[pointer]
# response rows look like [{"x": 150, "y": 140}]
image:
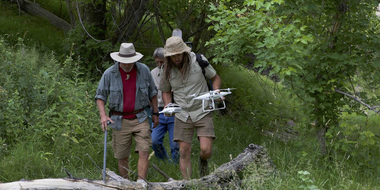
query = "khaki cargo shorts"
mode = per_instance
[
  {"x": 184, "y": 131},
  {"x": 122, "y": 140}
]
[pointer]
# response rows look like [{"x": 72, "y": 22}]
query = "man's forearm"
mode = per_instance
[
  {"x": 154, "y": 104},
  {"x": 216, "y": 82},
  {"x": 100, "y": 103},
  {"x": 167, "y": 97}
]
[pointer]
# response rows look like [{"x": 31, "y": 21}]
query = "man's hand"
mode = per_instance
[
  {"x": 220, "y": 99},
  {"x": 167, "y": 114},
  {"x": 104, "y": 122},
  {"x": 103, "y": 116},
  {"x": 155, "y": 120}
]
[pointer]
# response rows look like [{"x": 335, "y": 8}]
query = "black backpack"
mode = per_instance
[{"x": 204, "y": 64}]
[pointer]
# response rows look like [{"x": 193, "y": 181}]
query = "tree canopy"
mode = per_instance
[{"x": 317, "y": 47}]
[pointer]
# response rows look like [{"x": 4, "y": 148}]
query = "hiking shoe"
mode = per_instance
[{"x": 203, "y": 167}]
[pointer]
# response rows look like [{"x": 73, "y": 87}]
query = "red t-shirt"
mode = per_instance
[{"x": 129, "y": 91}]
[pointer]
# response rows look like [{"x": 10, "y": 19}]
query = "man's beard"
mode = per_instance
[{"x": 179, "y": 65}]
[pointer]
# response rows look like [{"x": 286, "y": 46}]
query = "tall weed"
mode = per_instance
[
  {"x": 300, "y": 166},
  {"x": 356, "y": 139},
  {"x": 48, "y": 101}
]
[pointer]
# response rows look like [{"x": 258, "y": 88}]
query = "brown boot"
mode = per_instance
[{"x": 203, "y": 167}]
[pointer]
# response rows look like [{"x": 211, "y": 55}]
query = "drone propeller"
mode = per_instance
[
  {"x": 228, "y": 89},
  {"x": 193, "y": 95},
  {"x": 199, "y": 94}
]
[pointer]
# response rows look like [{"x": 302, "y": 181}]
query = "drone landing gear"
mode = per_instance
[{"x": 211, "y": 106}]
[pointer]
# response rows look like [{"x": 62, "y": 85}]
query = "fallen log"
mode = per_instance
[
  {"x": 220, "y": 177},
  {"x": 36, "y": 10}
]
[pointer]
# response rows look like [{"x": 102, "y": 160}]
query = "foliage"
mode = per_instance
[
  {"x": 16, "y": 24},
  {"x": 51, "y": 102},
  {"x": 93, "y": 54},
  {"x": 307, "y": 182},
  {"x": 189, "y": 16},
  {"x": 355, "y": 138},
  {"x": 300, "y": 166},
  {"x": 317, "y": 47},
  {"x": 258, "y": 101}
]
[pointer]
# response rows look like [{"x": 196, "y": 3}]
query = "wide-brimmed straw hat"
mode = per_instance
[
  {"x": 175, "y": 45},
  {"x": 126, "y": 54}
]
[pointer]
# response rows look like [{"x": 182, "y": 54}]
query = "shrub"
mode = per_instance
[{"x": 44, "y": 97}]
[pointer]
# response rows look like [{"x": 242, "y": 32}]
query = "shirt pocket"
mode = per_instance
[
  {"x": 175, "y": 80},
  {"x": 196, "y": 75},
  {"x": 143, "y": 91},
  {"x": 115, "y": 98}
]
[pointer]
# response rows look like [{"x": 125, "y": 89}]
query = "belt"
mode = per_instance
[{"x": 128, "y": 113}]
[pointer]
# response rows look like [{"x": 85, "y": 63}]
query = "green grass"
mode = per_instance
[
  {"x": 34, "y": 30},
  {"x": 56, "y": 7},
  {"x": 302, "y": 154}
]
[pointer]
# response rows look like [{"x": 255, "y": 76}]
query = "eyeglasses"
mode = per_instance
[{"x": 159, "y": 61}]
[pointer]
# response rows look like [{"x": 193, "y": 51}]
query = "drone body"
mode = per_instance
[
  {"x": 171, "y": 108},
  {"x": 212, "y": 96}
]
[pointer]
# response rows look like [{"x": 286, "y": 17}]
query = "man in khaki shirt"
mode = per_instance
[{"x": 183, "y": 75}]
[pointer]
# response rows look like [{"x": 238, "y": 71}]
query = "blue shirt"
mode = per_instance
[{"x": 111, "y": 87}]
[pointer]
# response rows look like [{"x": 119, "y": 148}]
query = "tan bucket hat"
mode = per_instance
[
  {"x": 175, "y": 45},
  {"x": 126, "y": 54}
]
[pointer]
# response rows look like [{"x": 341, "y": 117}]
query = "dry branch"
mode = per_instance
[
  {"x": 221, "y": 177},
  {"x": 358, "y": 100}
]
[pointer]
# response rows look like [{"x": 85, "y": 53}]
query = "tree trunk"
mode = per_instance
[
  {"x": 322, "y": 140},
  {"x": 94, "y": 14},
  {"x": 129, "y": 22},
  {"x": 221, "y": 177},
  {"x": 70, "y": 12},
  {"x": 37, "y": 10},
  {"x": 158, "y": 20}
]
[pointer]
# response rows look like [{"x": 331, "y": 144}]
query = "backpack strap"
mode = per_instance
[{"x": 203, "y": 64}]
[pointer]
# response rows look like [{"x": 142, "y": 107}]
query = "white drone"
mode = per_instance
[
  {"x": 212, "y": 96},
  {"x": 171, "y": 108}
]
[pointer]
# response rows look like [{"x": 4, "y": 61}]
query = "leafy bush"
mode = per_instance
[
  {"x": 257, "y": 101},
  {"x": 355, "y": 139},
  {"x": 46, "y": 100},
  {"x": 50, "y": 114}
]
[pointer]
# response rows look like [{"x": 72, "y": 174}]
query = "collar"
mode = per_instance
[{"x": 116, "y": 67}]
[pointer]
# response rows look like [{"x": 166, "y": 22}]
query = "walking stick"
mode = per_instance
[{"x": 105, "y": 153}]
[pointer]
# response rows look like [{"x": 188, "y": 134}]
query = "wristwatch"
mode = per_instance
[{"x": 156, "y": 114}]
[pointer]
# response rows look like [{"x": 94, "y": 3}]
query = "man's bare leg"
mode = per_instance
[
  {"x": 123, "y": 163},
  {"x": 143, "y": 163},
  {"x": 205, "y": 154},
  {"x": 206, "y": 147},
  {"x": 185, "y": 159}
]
